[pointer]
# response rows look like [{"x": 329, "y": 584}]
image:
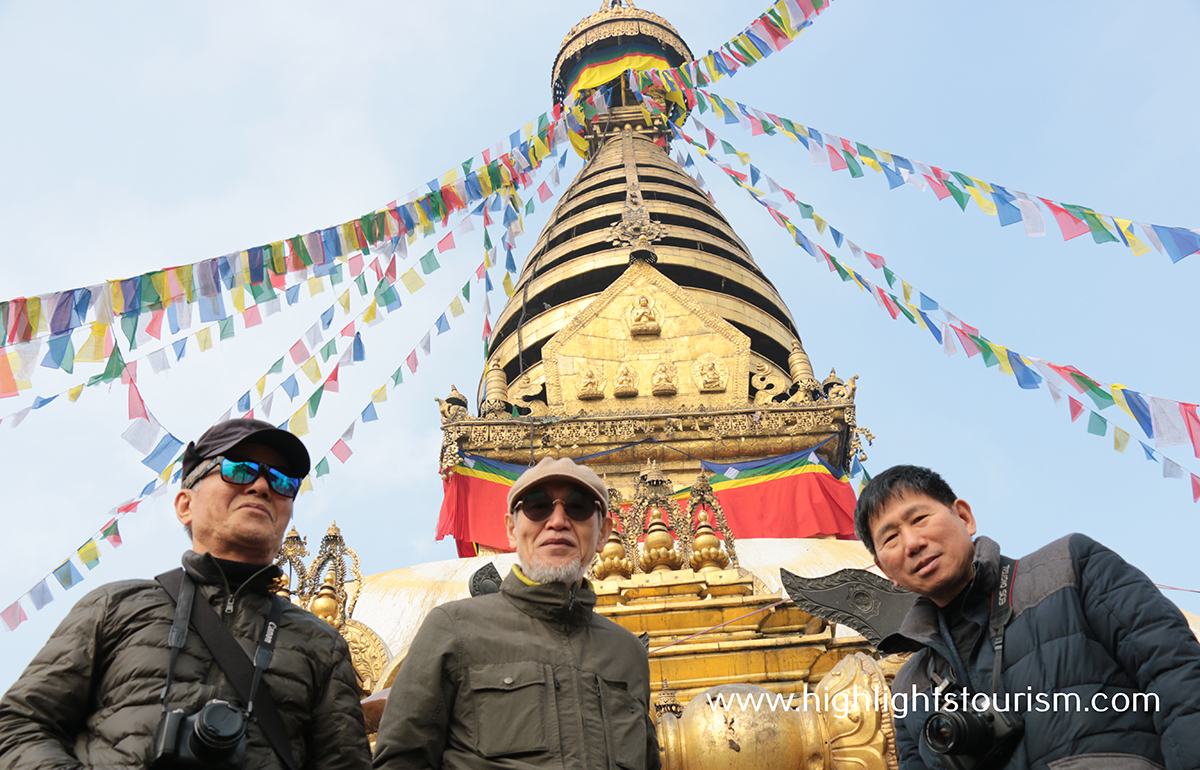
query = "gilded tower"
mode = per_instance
[{"x": 639, "y": 313}]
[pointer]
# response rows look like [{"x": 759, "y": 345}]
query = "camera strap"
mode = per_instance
[
  {"x": 1001, "y": 616},
  {"x": 229, "y": 655}
]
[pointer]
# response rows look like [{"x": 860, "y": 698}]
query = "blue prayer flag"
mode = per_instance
[
  {"x": 244, "y": 402},
  {"x": 163, "y": 454},
  {"x": 360, "y": 350},
  {"x": 927, "y": 303},
  {"x": 293, "y": 294},
  {"x": 368, "y": 414},
  {"x": 290, "y": 387},
  {"x": 443, "y": 325},
  {"x": 40, "y": 595},
  {"x": 327, "y": 318},
  {"x": 67, "y": 574},
  {"x": 893, "y": 176},
  {"x": 180, "y": 347}
]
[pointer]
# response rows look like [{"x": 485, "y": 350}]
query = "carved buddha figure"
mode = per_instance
[
  {"x": 663, "y": 381},
  {"x": 710, "y": 378},
  {"x": 590, "y": 387},
  {"x": 643, "y": 318},
  {"x": 626, "y": 382}
]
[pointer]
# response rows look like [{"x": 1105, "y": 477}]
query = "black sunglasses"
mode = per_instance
[
  {"x": 539, "y": 506},
  {"x": 243, "y": 472}
]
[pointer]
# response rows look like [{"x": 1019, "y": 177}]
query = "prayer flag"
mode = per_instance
[
  {"x": 111, "y": 533},
  {"x": 474, "y": 491},
  {"x": 67, "y": 575},
  {"x": 341, "y": 451},
  {"x": 13, "y": 615},
  {"x": 89, "y": 554}
]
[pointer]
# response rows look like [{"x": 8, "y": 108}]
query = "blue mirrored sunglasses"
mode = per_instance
[{"x": 243, "y": 472}]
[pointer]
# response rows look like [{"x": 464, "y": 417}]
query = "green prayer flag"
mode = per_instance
[
  {"x": 866, "y": 152},
  {"x": 989, "y": 355},
  {"x": 902, "y": 309},
  {"x": 963, "y": 179},
  {"x": 367, "y": 221},
  {"x": 960, "y": 197},
  {"x": 329, "y": 351},
  {"x": 890, "y": 276},
  {"x": 855, "y": 169},
  {"x": 1100, "y": 233},
  {"x": 322, "y": 467},
  {"x": 1097, "y": 425},
  {"x": 262, "y": 292},
  {"x": 728, "y": 148},
  {"x": 361, "y": 283},
  {"x": 841, "y": 270},
  {"x": 277, "y": 367},
  {"x": 314, "y": 401},
  {"x": 112, "y": 370},
  {"x": 529, "y": 207},
  {"x": 806, "y": 210},
  {"x": 129, "y": 326},
  {"x": 335, "y": 275},
  {"x": 398, "y": 375},
  {"x": 466, "y": 166},
  {"x": 1101, "y": 398},
  {"x": 487, "y": 240},
  {"x": 429, "y": 263},
  {"x": 466, "y": 291},
  {"x": 701, "y": 103},
  {"x": 149, "y": 298},
  {"x": 226, "y": 327}
]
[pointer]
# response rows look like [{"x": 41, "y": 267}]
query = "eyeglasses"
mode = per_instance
[
  {"x": 243, "y": 472},
  {"x": 539, "y": 506}
]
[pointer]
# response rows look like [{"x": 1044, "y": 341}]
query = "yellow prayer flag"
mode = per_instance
[
  {"x": 1137, "y": 246},
  {"x": 74, "y": 392},
  {"x": 509, "y": 289},
  {"x": 204, "y": 338},
  {"x": 379, "y": 396},
  {"x": 166, "y": 474},
  {"x": 92, "y": 349},
  {"x": 344, "y": 301},
  {"x": 1118, "y": 394},
  {"x": 820, "y": 223},
  {"x": 711, "y": 68},
  {"x": 542, "y": 149},
  {"x": 1002, "y": 354},
  {"x": 298, "y": 425},
  {"x": 315, "y": 286},
  {"x": 161, "y": 283},
  {"x": 311, "y": 370},
  {"x": 917, "y": 315},
  {"x": 744, "y": 157},
  {"x": 239, "y": 299},
  {"x": 118, "y": 298},
  {"x": 411, "y": 280},
  {"x": 261, "y": 385},
  {"x": 884, "y": 156},
  {"x": 450, "y": 178},
  {"x": 982, "y": 185},
  {"x": 456, "y": 308},
  {"x": 907, "y": 292},
  {"x": 528, "y": 130},
  {"x": 986, "y": 204},
  {"x": 372, "y": 310},
  {"x": 872, "y": 163},
  {"x": 305, "y": 486},
  {"x": 183, "y": 276},
  {"x": 1120, "y": 439}
]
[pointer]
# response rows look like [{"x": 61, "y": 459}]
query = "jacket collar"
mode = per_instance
[
  {"x": 920, "y": 626},
  {"x": 203, "y": 569},
  {"x": 550, "y": 602}
]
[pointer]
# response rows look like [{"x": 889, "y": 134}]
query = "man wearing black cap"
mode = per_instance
[{"x": 127, "y": 682}]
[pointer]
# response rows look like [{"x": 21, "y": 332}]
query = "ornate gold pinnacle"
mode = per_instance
[{"x": 611, "y": 561}]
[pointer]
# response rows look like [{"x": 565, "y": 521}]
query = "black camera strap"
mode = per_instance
[
  {"x": 243, "y": 676},
  {"x": 1001, "y": 616}
]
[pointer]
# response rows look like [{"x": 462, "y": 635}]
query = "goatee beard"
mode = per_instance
[{"x": 570, "y": 573}]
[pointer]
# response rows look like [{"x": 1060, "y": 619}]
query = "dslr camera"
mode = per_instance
[
  {"x": 215, "y": 736},
  {"x": 966, "y": 739}
]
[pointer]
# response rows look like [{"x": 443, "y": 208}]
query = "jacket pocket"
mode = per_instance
[
  {"x": 510, "y": 707},
  {"x": 1104, "y": 761},
  {"x": 625, "y": 723}
]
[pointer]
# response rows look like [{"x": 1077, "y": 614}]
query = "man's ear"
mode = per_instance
[
  {"x": 606, "y": 529},
  {"x": 962, "y": 509},
  {"x": 881, "y": 569},
  {"x": 510, "y": 524},
  {"x": 183, "y": 506}
]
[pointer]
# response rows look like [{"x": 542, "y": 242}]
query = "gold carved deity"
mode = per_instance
[
  {"x": 710, "y": 373},
  {"x": 662, "y": 383},
  {"x": 591, "y": 385},
  {"x": 643, "y": 318},
  {"x": 625, "y": 382}
]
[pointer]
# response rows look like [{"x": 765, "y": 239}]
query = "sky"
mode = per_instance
[{"x": 139, "y": 136}]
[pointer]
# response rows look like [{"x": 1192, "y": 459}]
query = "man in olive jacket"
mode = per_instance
[
  {"x": 93, "y": 696},
  {"x": 529, "y": 677}
]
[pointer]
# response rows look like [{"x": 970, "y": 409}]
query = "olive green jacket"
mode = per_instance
[
  {"x": 526, "y": 678},
  {"x": 92, "y": 696}
]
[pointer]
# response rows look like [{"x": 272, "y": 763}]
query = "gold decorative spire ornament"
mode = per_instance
[{"x": 611, "y": 561}]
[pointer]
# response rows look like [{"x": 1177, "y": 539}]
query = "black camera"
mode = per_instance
[
  {"x": 215, "y": 736},
  {"x": 967, "y": 739}
]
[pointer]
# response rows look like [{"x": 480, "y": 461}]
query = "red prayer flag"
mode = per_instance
[
  {"x": 378, "y": 270},
  {"x": 412, "y": 362},
  {"x": 8, "y": 383},
  {"x": 807, "y": 7},
  {"x": 390, "y": 273},
  {"x": 111, "y": 533},
  {"x": 968, "y": 344},
  {"x": 252, "y": 317},
  {"x": 129, "y": 507},
  {"x": 13, "y": 615},
  {"x": 876, "y": 261},
  {"x": 356, "y": 265},
  {"x": 938, "y": 188},
  {"x": 544, "y": 193},
  {"x": 711, "y": 137},
  {"x": 154, "y": 328},
  {"x": 137, "y": 408},
  {"x": 1195, "y": 488},
  {"x": 1076, "y": 408},
  {"x": 298, "y": 352},
  {"x": 331, "y": 382},
  {"x": 1071, "y": 226},
  {"x": 836, "y": 161},
  {"x": 475, "y": 496},
  {"x": 1193, "y": 425},
  {"x": 341, "y": 451},
  {"x": 348, "y": 330},
  {"x": 446, "y": 243},
  {"x": 487, "y": 328}
]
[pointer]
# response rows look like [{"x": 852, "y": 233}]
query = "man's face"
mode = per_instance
[
  {"x": 230, "y": 521},
  {"x": 925, "y": 546},
  {"x": 559, "y": 540}
]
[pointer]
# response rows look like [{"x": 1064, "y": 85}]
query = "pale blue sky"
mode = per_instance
[{"x": 141, "y": 135}]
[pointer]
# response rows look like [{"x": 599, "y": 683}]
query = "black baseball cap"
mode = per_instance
[{"x": 224, "y": 436}]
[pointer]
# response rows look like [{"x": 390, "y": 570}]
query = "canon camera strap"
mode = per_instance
[
  {"x": 1001, "y": 615},
  {"x": 243, "y": 675}
]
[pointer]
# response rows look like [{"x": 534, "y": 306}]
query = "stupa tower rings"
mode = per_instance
[{"x": 631, "y": 201}]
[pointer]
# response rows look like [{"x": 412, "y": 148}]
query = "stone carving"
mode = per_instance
[
  {"x": 591, "y": 385},
  {"x": 625, "y": 384},
  {"x": 710, "y": 373},
  {"x": 663, "y": 381},
  {"x": 643, "y": 318}
]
